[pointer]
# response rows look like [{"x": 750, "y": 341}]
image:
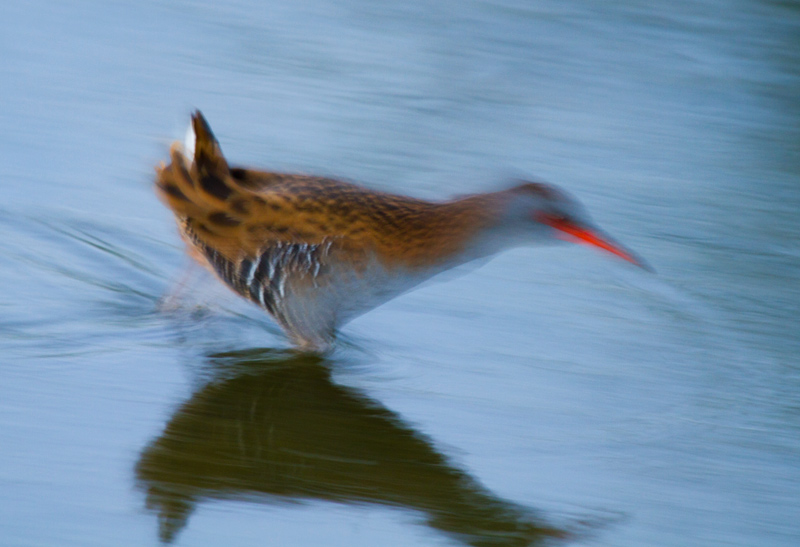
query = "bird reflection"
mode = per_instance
[{"x": 274, "y": 426}]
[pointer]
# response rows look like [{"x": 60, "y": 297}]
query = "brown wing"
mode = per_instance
[{"x": 268, "y": 243}]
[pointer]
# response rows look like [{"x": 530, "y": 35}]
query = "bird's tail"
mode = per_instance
[
  {"x": 198, "y": 185},
  {"x": 209, "y": 203}
]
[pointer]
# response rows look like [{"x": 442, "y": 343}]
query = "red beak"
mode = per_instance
[{"x": 569, "y": 231}]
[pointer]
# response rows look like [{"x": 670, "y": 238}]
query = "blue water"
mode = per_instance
[{"x": 550, "y": 390}]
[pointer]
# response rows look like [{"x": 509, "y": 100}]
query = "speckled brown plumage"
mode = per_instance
[
  {"x": 238, "y": 211},
  {"x": 314, "y": 251}
]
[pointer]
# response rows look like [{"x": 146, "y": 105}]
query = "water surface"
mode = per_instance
[{"x": 552, "y": 396}]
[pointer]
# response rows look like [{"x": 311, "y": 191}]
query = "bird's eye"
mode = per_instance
[
  {"x": 554, "y": 220},
  {"x": 549, "y": 218}
]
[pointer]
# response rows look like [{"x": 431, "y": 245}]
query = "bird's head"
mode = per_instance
[{"x": 552, "y": 213}]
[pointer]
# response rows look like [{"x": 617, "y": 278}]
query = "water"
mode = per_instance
[{"x": 551, "y": 392}]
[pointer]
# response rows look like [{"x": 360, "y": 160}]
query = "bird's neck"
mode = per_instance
[{"x": 438, "y": 236}]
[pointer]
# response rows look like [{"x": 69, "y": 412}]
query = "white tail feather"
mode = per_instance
[{"x": 188, "y": 143}]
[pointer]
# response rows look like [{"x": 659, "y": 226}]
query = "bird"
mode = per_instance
[{"x": 315, "y": 252}]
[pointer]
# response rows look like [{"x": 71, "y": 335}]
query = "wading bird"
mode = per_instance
[{"x": 316, "y": 252}]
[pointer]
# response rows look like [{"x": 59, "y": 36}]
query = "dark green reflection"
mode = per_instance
[{"x": 278, "y": 427}]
